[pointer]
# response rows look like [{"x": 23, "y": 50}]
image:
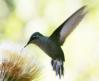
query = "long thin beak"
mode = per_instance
[{"x": 27, "y": 44}]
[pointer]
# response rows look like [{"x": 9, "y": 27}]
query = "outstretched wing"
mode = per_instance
[{"x": 67, "y": 26}]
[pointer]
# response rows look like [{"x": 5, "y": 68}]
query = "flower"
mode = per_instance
[{"x": 15, "y": 66}]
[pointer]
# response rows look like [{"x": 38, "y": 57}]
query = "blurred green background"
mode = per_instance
[{"x": 20, "y": 18}]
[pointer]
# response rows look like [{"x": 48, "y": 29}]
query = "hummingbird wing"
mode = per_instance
[{"x": 67, "y": 26}]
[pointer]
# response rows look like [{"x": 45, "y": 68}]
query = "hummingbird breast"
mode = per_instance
[{"x": 50, "y": 48}]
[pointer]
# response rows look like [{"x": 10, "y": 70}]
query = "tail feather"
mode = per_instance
[{"x": 58, "y": 67}]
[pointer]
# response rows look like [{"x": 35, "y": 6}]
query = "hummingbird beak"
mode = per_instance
[
  {"x": 25, "y": 46},
  {"x": 27, "y": 43}
]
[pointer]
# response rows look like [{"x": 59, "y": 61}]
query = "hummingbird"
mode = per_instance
[{"x": 52, "y": 45}]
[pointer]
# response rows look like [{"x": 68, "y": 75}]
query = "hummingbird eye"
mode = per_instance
[{"x": 35, "y": 37}]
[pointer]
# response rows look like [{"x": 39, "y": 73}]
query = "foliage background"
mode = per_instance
[{"x": 20, "y": 18}]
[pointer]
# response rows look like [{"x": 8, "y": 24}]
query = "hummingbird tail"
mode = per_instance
[{"x": 58, "y": 67}]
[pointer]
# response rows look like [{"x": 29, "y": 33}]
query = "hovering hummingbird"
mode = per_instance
[{"x": 52, "y": 45}]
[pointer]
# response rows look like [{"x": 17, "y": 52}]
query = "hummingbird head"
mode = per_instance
[{"x": 34, "y": 37}]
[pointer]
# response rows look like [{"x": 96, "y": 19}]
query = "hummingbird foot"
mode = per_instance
[{"x": 58, "y": 67}]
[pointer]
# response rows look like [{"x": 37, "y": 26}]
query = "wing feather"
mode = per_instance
[{"x": 67, "y": 26}]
